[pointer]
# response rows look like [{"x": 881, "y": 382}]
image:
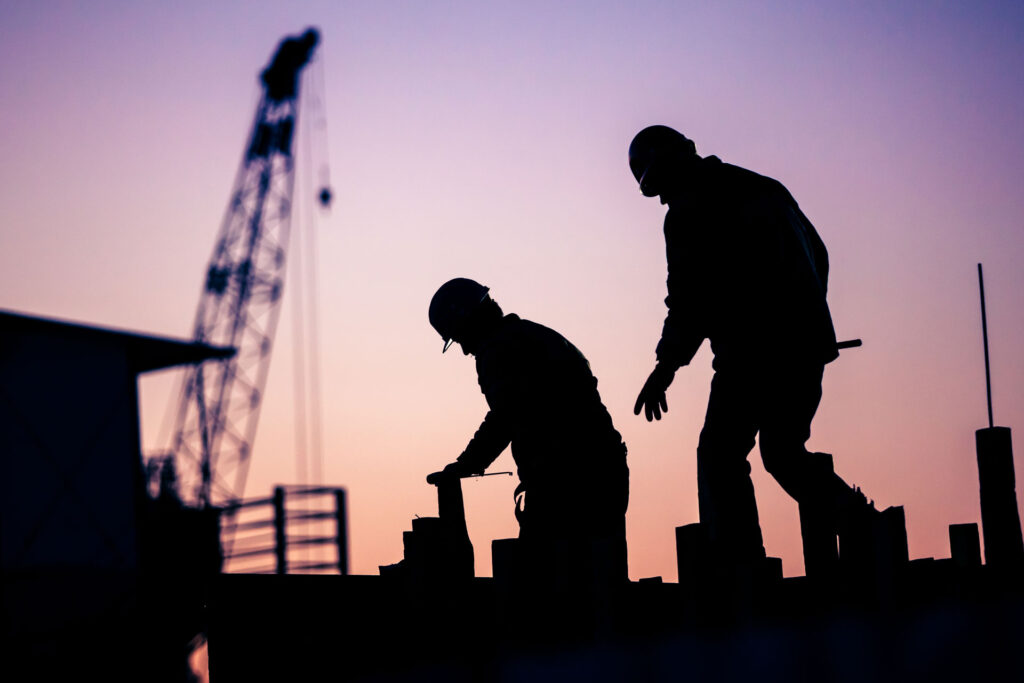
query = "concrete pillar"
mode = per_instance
[
  {"x": 1000, "y": 519},
  {"x": 964, "y": 545}
]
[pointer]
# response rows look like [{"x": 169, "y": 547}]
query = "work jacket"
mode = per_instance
[
  {"x": 543, "y": 400},
  {"x": 746, "y": 270}
]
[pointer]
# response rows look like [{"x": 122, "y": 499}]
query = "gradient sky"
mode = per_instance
[{"x": 488, "y": 140}]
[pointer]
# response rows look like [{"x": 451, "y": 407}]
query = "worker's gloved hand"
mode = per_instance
[
  {"x": 652, "y": 397},
  {"x": 451, "y": 471}
]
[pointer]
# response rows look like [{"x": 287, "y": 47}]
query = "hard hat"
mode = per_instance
[
  {"x": 452, "y": 303},
  {"x": 650, "y": 150}
]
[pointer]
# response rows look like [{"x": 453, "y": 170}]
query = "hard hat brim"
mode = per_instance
[{"x": 645, "y": 186}]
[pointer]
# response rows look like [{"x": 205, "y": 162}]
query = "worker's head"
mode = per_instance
[
  {"x": 660, "y": 157},
  {"x": 461, "y": 311}
]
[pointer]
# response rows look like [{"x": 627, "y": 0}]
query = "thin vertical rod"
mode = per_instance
[
  {"x": 341, "y": 517},
  {"x": 984, "y": 336},
  {"x": 280, "y": 532}
]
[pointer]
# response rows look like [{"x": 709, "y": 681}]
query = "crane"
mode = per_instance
[{"x": 240, "y": 302}]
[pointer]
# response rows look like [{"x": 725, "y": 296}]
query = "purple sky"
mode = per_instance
[{"x": 490, "y": 143}]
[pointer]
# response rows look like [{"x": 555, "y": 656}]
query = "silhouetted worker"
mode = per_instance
[
  {"x": 747, "y": 271},
  {"x": 543, "y": 399}
]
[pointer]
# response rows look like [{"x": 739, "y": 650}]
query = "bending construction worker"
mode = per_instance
[
  {"x": 543, "y": 400},
  {"x": 747, "y": 271}
]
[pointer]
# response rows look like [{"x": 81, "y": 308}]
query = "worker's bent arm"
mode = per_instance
[
  {"x": 677, "y": 347},
  {"x": 680, "y": 337},
  {"x": 486, "y": 445}
]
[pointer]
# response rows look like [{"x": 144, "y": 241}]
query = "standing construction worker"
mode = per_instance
[
  {"x": 747, "y": 271},
  {"x": 543, "y": 399}
]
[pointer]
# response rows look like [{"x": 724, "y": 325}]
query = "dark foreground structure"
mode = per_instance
[
  {"x": 946, "y": 625},
  {"x": 874, "y": 615},
  {"x": 98, "y": 579},
  {"x": 101, "y": 578}
]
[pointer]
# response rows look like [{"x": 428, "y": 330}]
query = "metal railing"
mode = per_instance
[{"x": 271, "y": 529}]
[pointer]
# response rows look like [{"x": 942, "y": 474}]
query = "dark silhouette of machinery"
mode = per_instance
[
  {"x": 90, "y": 567},
  {"x": 241, "y": 298}
]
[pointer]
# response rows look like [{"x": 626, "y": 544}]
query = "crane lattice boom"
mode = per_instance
[{"x": 241, "y": 299}]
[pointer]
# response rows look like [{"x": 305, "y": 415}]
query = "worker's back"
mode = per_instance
[
  {"x": 748, "y": 268},
  {"x": 542, "y": 387}
]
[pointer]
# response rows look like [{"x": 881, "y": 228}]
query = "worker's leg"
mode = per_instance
[
  {"x": 608, "y": 526},
  {"x": 725, "y": 493},
  {"x": 789, "y": 402},
  {"x": 587, "y": 521}
]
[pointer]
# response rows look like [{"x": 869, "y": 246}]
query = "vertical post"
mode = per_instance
[
  {"x": 693, "y": 556},
  {"x": 452, "y": 511},
  {"x": 280, "y": 539},
  {"x": 984, "y": 336},
  {"x": 1000, "y": 519},
  {"x": 204, "y": 434},
  {"x": 894, "y": 536},
  {"x": 964, "y": 546},
  {"x": 818, "y": 532},
  {"x": 341, "y": 517}
]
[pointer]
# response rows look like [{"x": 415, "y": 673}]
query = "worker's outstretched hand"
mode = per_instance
[
  {"x": 451, "y": 471},
  {"x": 652, "y": 397}
]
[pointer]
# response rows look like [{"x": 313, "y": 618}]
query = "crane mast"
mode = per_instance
[{"x": 241, "y": 298}]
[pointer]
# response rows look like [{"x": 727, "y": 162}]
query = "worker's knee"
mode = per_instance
[
  {"x": 723, "y": 446},
  {"x": 780, "y": 457},
  {"x": 715, "y": 463},
  {"x": 773, "y": 456},
  {"x": 801, "y": 474}
]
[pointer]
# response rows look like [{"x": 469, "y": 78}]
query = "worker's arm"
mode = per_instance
[
  {"x": 680, "y": 337},
  {"x": 500, "y": 374},
  {"x": 483, "y": 449},
  {"x": 486, "y": 445}
]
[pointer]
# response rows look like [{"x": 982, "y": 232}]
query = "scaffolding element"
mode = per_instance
[{"x": 280, "y": 529}]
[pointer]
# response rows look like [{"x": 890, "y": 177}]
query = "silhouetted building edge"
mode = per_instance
[{"x": 72, "y": 487}]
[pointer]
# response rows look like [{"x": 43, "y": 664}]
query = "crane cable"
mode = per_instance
[
  {"x": 324, "y": 195},
  {"x": 308, "y": 413}
]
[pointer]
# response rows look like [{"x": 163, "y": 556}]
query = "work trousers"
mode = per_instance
[
  {"x": 587, "y": 522},
  {"x": 780, "y": 406}
]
